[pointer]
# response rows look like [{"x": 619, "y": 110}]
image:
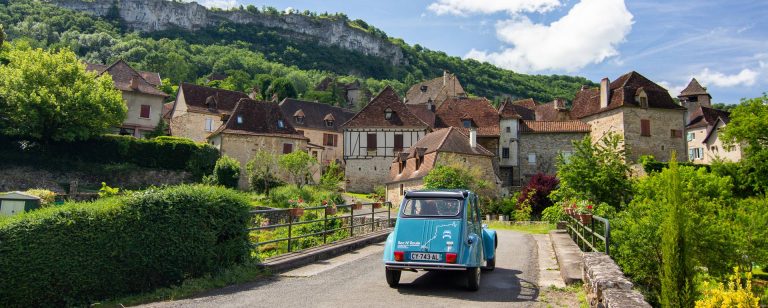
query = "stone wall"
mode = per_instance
[
  {"x": 23, "y": 178},
  {"x": 661, "y": 143},
  {"x": 546, "y": 147},
  {"x": 363, "y": 174},
  {"x": 393, "y": 190},
  {"x": 714, "y": 149},
  {"x": 242, "y": 148},
  {"x": 329, "y": 153},
  {"x": 192, "y": 125},
  {"x": 606, "y": 122},
  {"x": 133, "y": 118},
  {"x": 606, "y": 285}
]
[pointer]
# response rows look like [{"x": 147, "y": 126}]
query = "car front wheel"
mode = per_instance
[
  {"x": 393, "y": 277},
  {"x": 490, "y": 264},
  {"x": 473, "y": 278}
]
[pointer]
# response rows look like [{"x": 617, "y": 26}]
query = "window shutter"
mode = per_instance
[
  {"x": 645, "y": 128},
  {"x": 371, "y": 146},
  {"x": 325, "y": 139},
  {"x": 335, "y": 139},
  {"x": 398, "y": 143},
  {"x": 287, "y": 148},
  {"x": 145, "y": 111}
]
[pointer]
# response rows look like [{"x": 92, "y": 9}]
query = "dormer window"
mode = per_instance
[
  {"x": 388, "y": 113},
  {"x": 466, "y": 123},
  {"x": 424, "y": 88},
  {"x": 641, "y": 98},
  {"x": 280, "y": 124},
  {"x": 328, "y": 123},
  {"x": 239, "y": 119},
  {"x": 329, "y": 119},
  {"x": 643, "y": 102},
  {"x": 299, "y": 116},
  {"x": 299, "y": 120}
]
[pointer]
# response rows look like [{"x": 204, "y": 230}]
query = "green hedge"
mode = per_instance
[
  {"x": 84, "y": 252},
  {"x": 163, "y": 152}
]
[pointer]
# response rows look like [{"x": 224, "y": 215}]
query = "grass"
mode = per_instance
[
  {"x": 569, "y": 296},
  {"x": 525, "y": 228},
  {"x": 362, "y": 197},
  {"x": 234, "y": 275}
]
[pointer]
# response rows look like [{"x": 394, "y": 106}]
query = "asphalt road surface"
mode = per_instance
[{"x": 357, "y": 280}]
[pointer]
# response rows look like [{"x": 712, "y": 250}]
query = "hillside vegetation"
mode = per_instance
[{"x": 248, "y": 53}]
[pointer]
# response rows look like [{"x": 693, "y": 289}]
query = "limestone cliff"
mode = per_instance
[{"x": 154, "y": 15}]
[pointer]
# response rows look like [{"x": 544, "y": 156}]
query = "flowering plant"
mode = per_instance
[
  {"x": 296, "y": 203},
  {"x": 584, "y": 207}
]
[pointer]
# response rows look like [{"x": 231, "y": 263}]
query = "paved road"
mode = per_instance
[{"x": 357, "y": 280}]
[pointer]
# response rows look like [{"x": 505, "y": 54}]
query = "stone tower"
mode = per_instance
[{"x": 694, "y": 96}]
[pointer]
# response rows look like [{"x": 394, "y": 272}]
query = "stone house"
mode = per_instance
[
  {"x": 639, "y": 110},
  {"x": 446, "y": 145},
  {"x": 198, "y": 111},
  {"x": 321, "y": 123},
  {"x": 541, "y": 142},
  {"x": 255, "y": 126},
  {"x": 140, "y": 93},
  {"x": 435, "y": 91},
  {"x": 704, "y": 123},
  {"x": 467, "y": 113},
  {"x": 374, "y": 136}
]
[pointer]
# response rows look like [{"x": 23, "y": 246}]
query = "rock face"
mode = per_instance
[{"x": 154, "y": 15}]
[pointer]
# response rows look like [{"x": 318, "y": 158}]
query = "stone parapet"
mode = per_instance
[{"x": 606, "y": 285}]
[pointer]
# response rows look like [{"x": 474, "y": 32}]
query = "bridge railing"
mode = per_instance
[
  {"x": 593, "y": 236},
  {"x": 318, "y": 225}
]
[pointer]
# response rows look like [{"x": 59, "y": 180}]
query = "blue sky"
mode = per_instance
[{"x": 724, "y": 44}]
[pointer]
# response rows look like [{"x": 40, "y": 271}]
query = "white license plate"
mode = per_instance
[{"x": 422, "y": 256}]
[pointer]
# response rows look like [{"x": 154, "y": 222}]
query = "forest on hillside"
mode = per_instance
[{"x": 250, "y": 55}]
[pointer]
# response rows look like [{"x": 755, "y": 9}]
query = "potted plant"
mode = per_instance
[
  {"x": 584, "y": 212},
  {"x": 296, "y": 207},
  {"x": 357, "y": 205},
  {"x": 377, "y": 204},
  {"x": 330, "y": 209}
]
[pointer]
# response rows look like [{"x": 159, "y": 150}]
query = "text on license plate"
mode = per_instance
[{"x": 422, "y": 256}]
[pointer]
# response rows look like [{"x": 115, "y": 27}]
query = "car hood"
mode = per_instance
[{"x": 434, "y": 235}]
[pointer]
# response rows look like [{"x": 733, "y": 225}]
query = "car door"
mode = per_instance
[{"x": 473, "y": 233}]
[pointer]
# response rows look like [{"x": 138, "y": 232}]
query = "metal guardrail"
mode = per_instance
[
  {"x": 292, "y": 222},
  {"x": 588, "y": 236}
]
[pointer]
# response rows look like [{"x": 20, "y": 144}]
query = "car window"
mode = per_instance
[
  {"x": 432, "y": 207},
  {"x": 470, "y": 217}
]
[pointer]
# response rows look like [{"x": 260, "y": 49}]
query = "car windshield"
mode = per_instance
[{"x": 432, "y": 207}]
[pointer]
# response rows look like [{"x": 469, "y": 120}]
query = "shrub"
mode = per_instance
[
  {"x": 106, "y": 191},
  {"x": 553, "y": 214},
  {"x": 736, "y": 295},
  {"x": 297, "y": 165},
  {"x": 226, "y": 172},
  {"x": 542, "y": 185},
  {"x": 47, "y": 197},
  {"x": 312, "y": 195},
  {"x": 79, "y": 253},
  {"x": 261, "y": 171},
  {"x": 523, "y": 211}
]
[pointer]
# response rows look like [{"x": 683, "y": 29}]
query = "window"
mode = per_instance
[
  {"x": 299, "y": 120},
  {"x": 371, "y": 144},
  {"x": 467, "y": 123},
  {"x": 509, "y": 129},
  {"x": 691, "y": 136},
  {"x": 676, "y": 133},
  {"x": 398, "y": 142},
  {"x": 532, "y": 159},
  {"x": 280, "y": 124},
  {"x": 388, "y": 113},
  {"x": 693, "y": 99},
  {"x": 208, "y": 125},
  {"x": 287, "y": 148},
  {"x": 645, "y": 128},
  {"x": 505, "y": 153},
  {"x": 713, "y": 148},
  {"x": 328, "y": 123},
  {"x": 695, "y": 153},
  {"x": 314, "y": 154},
  {"x": 643, "y": 102},
  {"x": 400, "y": 167},
  {"x": 239, "y": 119},
  {"x": 330, "y": 140},
  {"x": 145, "y": 111},
  {"x": 432, "y": 207}
]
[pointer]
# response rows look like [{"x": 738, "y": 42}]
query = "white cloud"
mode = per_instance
[
  {"x": 746, "y": 77},
  {"x": 674, "y": 90},
  {"x": 466, "y": 7},
  {"x": 589, "y": 33},
  {"x": 222, "y": 4}
]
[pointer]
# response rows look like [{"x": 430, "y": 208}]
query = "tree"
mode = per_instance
[
  {"x": 2, "y": 35},
  {"x": 596, "y": 172},
  {"x": 50, "y": 97},
  {"x": 261, "y": 170},
  {"x": 332, "y": 176},
  {"x": 282, "y": 88},
  {"x": 160, "y": 130},
  {"x": 298, "y": 165},
  {"x": 748, "y": 128},
  {"x": 677, "y": 286},
  {"x": 453, "y": 173},
  {"x": 541, "y": 185},
  {"x": 226, "y": 172}
]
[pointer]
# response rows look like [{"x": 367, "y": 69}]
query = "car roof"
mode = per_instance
[{"x": 441, "y": 193}]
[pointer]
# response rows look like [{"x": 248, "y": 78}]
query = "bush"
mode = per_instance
[
  {"x": 553, "y": 214},
  {"x": 47, "y": 197},
  {"x": 542, "y": 185},
  {"x": 80, "y": 253},
  {"x": 523, "y": 210},
  {"x": 333, "y": 175},
  {"x": 736, "y": 295},
  {"x": 226, "y": 172},
  {"x": 311, "y": 195}
]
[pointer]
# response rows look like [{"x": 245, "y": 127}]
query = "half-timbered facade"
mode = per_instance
[
  {"x": 375, "y": 136},
  {"x": 321, "y": 123}
]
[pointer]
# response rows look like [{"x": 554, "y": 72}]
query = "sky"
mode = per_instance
[{"x": 723, "y": 44}]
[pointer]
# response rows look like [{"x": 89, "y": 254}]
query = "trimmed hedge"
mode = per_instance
[
  {"x": 165, "y": 152},
  {"x": 84, "y": 252}
]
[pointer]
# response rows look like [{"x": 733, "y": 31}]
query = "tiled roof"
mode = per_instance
[
  {"x": 552, "y": 111},
  {"x": 167, "y": 107},
  {"x": 421, "y": 111},
  {"x": 527, "y": 103},
  {"x": 205, "y": 99},
  {"x": 483, "y": 115},
  {"x": 258, "y": 118},
  {"x": 622, "y": 93},
  {"x": 538, "y": 127},
  {"x": 437, "y": 89},
  {"x": 129, "y": 80},
  {"x": 372, "y": 115},
  {"x": 693, "y": 88},
  {"x": 507, "y": 111},
  {"x": 314, "y": 114},
  {"x": 446, "y": 140},
  {"x": 705, "y": 117}
]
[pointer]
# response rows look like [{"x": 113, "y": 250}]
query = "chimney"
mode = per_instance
[
  {"x": 445, "y": 77},
  {"x": 429, "y": 104},
  {"x": 254, "y": 93},
  {"x": 473, "y": 137},
  {"x": 605, "y": 92},
  {"x": 584, "y": 87},
  {"x": 134, "y": 83}
]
